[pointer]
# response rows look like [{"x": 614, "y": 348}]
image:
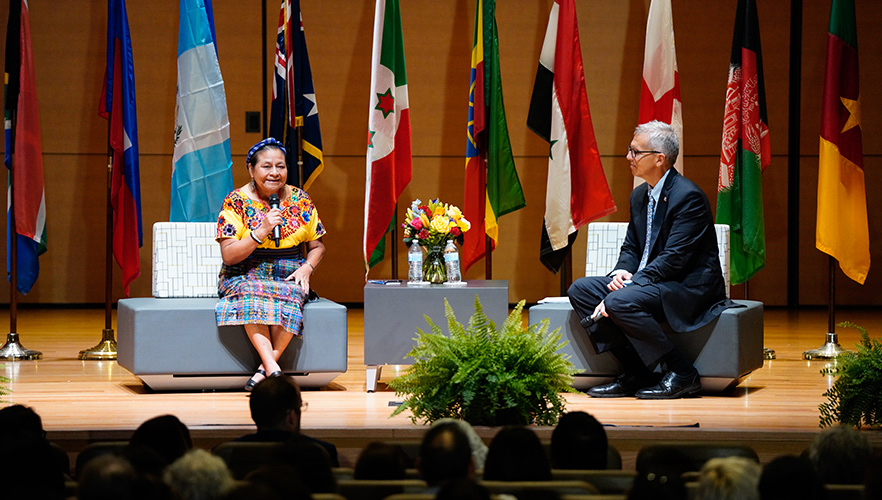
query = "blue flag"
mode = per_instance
[
  {"x": 294, "y": 102},
  {"x": 203, "y": 174}
]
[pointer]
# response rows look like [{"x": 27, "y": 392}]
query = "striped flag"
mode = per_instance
[
  {"x": 118, "y": 106},
  {"x": 577, "y": 190},
  {"x": 202, "y": 173},
  {"x": 660, "y": 93},
  {"x": 389, "y": 159},
  {"x": 746, "y": 152},
  {"x": 294, "y": 102},
  {"x": 842, "y": 230},
  {"x": 24, "y": 151},
  {"x": 491, "y": 190}
]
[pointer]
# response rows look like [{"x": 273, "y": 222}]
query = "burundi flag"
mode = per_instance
[
  {"x": 202, "y": 172},
  {"x": 294, "y": 106},
  {"x": 388, "y": 150},
  {"x": 842, "y": 231},
  {"x": 577, "y": 191},
  {"x": 660, "y": 93},
  {"x": 26, "y": 197},
  {"x": 491, "y": 190},
  {"x": 745, "y": 152},
  {"x": 118, "y": 105}
]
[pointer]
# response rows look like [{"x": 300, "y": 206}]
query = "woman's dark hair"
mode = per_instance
[
  {"x": 579, "y": 442},
  {"x": 380, "y": 461},
  {"x": 516, "y": 454}
]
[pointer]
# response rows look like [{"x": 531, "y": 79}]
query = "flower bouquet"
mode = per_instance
[{"x": 431, "y": 225}]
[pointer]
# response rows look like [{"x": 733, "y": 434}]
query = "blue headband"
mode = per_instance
[{"x": 269, "y": 141}]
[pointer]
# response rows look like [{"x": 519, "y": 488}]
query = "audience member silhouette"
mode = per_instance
[
  {"x": 112, "y": 477},
  {"x": 660, "y": 478},
  {"x": 276, "y": 407},
  {"x": 479, "y": 449},
  {"x": 30, "y": 467},
  {"x": 283, "y": 480},
  {"x": 157, "y": 443},
  {"x": 516, "y": 454},
  {"x": 445, "y": 455},
  {"x": 729, "y": 478},
  {"x": 790, "y": 478},
  {"x": 579, "y": 442},
  {"x": 463, "y": 489},
  {"x": 198, "y": 475},
  {"x": 840, "y": 455},
  {"x": 380, "y": 461},
  {"x": 310, "y": 460}
]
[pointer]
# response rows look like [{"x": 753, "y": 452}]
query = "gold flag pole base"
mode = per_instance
[
  {"x": 831, "y": 349},
  {"x": 106, "y": 349},
  {"x": 12, "y": 350},
  {"x": 769, "y": 353}
]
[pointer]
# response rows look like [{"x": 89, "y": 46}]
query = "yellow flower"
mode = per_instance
[
  {"x": 463, "y": 224},
  {"x": 439, "y": 223},
  {"x": 454, "y": 212},
  {"x": 424, "y": 219},
  {"x": 439, "y": 210}
]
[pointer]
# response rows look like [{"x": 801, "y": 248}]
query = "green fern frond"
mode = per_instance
[{"x": 855, "y": 398}]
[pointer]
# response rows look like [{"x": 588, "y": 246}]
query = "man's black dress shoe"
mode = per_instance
[
  {"x": 624, "y": 385},
  {"x": 672, "y": 386}
]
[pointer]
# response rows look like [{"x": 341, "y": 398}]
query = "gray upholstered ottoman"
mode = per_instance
[
  {"x": 724, "y": 351},
  {"x": 175, "y": 344}
]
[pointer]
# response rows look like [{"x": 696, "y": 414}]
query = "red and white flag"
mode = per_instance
[
  {"x": 660, "y": 93},
  {"x": 389, "y": 157}
]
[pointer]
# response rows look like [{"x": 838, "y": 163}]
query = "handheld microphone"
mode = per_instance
[{"x": 274, "y": 203}]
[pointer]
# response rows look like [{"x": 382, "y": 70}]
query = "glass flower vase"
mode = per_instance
[{"x": 434, "y": 269}]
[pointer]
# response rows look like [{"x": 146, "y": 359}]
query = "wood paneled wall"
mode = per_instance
[{"x": 69, "y": 51}]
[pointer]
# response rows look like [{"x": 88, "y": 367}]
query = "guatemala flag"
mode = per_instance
[{"x": 203, "y": 174}]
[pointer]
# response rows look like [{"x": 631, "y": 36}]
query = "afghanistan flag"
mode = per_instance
[
  {"x": 660, "y": 92},
  {"x": 842, "y": 231},
  {"x": 389, "y": 159},
  {"x": 294, "y": 98},
  {"x": 491, "y": 190},
  {"x": 118, "y": 105},
  {"x": 24, "y": 152},
  {"x": 577, "y": 190},
  {"x": 745, "y": 152}
]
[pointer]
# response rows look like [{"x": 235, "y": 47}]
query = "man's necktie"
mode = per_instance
[{"x": 649, "y": 216}]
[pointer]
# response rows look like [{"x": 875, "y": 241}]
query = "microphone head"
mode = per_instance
[{"x": 274, "y": 200}]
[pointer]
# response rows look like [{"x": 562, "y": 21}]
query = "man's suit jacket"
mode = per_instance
[{"x": 683, "y": 258}]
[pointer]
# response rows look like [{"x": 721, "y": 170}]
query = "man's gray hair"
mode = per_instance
[{"x": 660, "y": 137}]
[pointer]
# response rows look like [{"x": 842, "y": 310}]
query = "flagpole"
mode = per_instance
[
  {"x": 13, "y": 349},
  {"x": 393, "y": 239},
  {"x": 566, "y": 272},
  {"x": 106, "y": 348},
  {"x": 831, "y": 347}
]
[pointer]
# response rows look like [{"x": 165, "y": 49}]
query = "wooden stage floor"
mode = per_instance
[{"x": 775, "y": 410}]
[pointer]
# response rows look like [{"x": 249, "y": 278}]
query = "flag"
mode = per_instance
[
  {"x": 745, "y": 152},
  {"x": 202, "y": 167},
  {"x": 660, "y": 93},
  {"x": 388, "y": 150},
  {"x": 118, "y": 106},
  {"x": 24, "y": 151},
  {"x": 577, "y": 190},
  {"x": 294, "y": 98},
  {"x": 842, "y": 231},
  {"x": 493, "y": 190}
]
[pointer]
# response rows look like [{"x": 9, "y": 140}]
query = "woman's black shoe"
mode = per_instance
[{"x": 251, "y": 382}]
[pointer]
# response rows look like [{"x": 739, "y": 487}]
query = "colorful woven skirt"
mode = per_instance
[{"x": 254, "y": 291}]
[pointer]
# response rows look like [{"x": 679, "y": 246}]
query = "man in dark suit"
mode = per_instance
[{"x": 674, "y": 277}]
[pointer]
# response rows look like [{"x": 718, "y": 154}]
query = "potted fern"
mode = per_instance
[
  {"x": 856, "y": 396},
  {"x": 484, "y": 375}
]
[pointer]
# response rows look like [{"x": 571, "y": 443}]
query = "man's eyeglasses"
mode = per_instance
[{"x": 634, "y": 152}]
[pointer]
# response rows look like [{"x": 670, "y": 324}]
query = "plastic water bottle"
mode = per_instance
[
  {"x": 451, "y": 259},
  {"x": 415, "y": 263}
]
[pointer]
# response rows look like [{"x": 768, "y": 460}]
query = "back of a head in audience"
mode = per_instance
[
  {"x": 516, "y": 454},
  {"x": 380, "y": 461},
  {"x": 729, "y": 478},
  {"x": 165, "y": 435},
  {"x": 578, "y": 442},
  {"x": 445, "y": 455},
  {"x": 29, "y": 466},
  {"x": 111, "y": 477},
  {"x": 840, "y": 455},
  {"x": 661, "y": 476},
  {"x": 198, "y": 475},
  {"x": 275, "y": 404},
  {"x": 479, "y": 449},
  {"x": 19, "y": 420},
  {"x": 311, "y": 461},
  {"x": 790, "y": 478}
]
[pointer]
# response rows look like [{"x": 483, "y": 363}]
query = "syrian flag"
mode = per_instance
[
  {"x": 660, "y": 93},
  {"x": 577, "y": 190},
  {"x": 388, "y": 150}
]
